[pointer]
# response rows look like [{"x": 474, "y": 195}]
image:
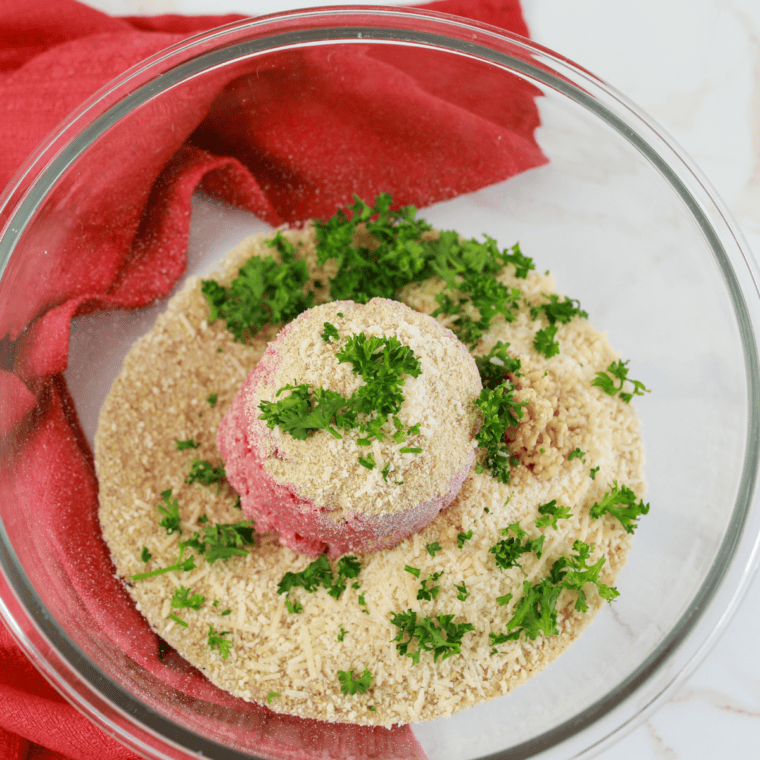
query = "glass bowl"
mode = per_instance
[{"x": 627, "y": 225}]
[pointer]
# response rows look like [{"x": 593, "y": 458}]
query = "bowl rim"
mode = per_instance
[{"x": 112, "y": 707}]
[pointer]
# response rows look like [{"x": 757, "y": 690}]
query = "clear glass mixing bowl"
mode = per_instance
[{"x": 627, "y": 225}]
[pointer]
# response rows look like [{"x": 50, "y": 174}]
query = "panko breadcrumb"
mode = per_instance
[{"x": 177, "y": 383}]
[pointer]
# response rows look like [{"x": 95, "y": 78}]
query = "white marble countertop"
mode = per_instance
[{"x": 694, "y": 66}]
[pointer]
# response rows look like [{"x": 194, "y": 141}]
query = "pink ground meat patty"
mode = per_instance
[{"x": 316, "y": 494}]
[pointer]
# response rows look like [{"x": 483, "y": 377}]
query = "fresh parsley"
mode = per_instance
[
  {"x": 496, "y": 365},
  {"x": 355, "y": 684},
  {"x": 536, "y": 611},
  {"x": 544, "y": 341},
  {"x": 620, "y": 502},
  {"x": 439, "y": 635},
  {"x": 508, "y": 551},
  {"x": 427, "y": 591},
  {"x": 576, "y": 453},
  {"x": 212, "y": 398},
  {"x": 264, "y": 291},
  {"x": 145, "y": 554},
  {"x": 463, "y": 592},
  {"x": 319, "y": 573},
  {"x": 500, "y": 411},
  {"x": 462, "y": 537},
  {"x": 433, "y": 548},
  {"x": 188, "y": 444},
  {"x": 619, "y": 371},
  {"x": 179, "y": 566},
  {"x": 170, "y": 511},
  {"x": 557, "y": 310},
  {"x": 550, "y": 513},
  {"x": 202, "y": 471},
  {"x": 217, "y": 641},
  {"x": 182, "y": 597},
  {"x": 331, "y": 331}
]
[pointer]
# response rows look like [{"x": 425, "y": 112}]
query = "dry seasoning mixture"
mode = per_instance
[{"x": 495, "y": 588}]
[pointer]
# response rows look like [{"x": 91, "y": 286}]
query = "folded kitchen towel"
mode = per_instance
[{"x": 126, "y": 247}]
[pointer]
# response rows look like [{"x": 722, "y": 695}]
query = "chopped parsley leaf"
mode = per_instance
[
  {"x": 331, "y": 331},
  {"x": 319, "y": 573},
  {"x": 496, "y": 365},
  {"x": 576, "y": 453},
  {"x": 620, "y": 502},
  {"x": 502, "y": 600},
  {"x": 212, "y": 398},
  {"x": 272, "y": 696},
  {"x": 368, "y": 461},
  {"x": 618, "y": 370},
  {"x": 433, "y": 548},
  {"x": 293, "y": 607},
  {"x": 592, "y": 472},
  {"x": 188, "y": 444},
  {"x": 177, "y": 619},
  {"x": 183, "y": 565},
  {"x": 217, "y": 641},
  {"x": 351, "y": 684},
  {"x": 544, "y": 341},
  {"x": 202, "y": 471},
  {"x": 508, "y": 551},
  {"x": 462, "y": 537},
  {"x": 305, "y": 411},
  {"x": 558, "y": 311},
  {"x": 536, "y": 611},
  {"x": 500, "y": 411},
  {"x": 342, "y": 634},
  {"x": 415, "y": 571},
  {"x": 550, "y": 513},
  {"x": 170, "y": 510},
  {"x": 263, "y": 292},
  {"x": 145, "y": 555},
  {"x": 439, "y": 635},
  {"x": 183, "y": 598},
  {"x": 463, "y": 592},
  {"x": 427, "y": 593}
]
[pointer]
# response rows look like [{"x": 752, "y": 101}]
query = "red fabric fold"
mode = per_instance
[{"x": 123, "y": 243}]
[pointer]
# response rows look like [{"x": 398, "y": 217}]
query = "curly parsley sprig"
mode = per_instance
[
  {"x": 500, "y": 411},
  {"x": 619, "y": 371},
  {"x": 620, "y": 502}
]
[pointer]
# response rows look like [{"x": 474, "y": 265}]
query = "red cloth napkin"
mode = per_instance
[{"x": 280, "y": 165}]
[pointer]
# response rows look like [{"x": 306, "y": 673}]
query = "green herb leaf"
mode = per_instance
[
  {"x": 500, "y": 411},
  {"x": 463, "y": 592},
  {"x": 202, "y": 471},
  {"x": 429, "y": 592},
  {"x": 508, "y": 551},
  {"x": 618, "y": 371},
  {"x": 177, "y": 619},
  {"x": 180, "y": 565},
  {"x": 188, "y": 444},
  {"x": 439, "y": 635},
  {"x": 550, "y": 513},
  {"x": 272, "y": 696},
  {"x": 263, "y": 292},
  {"x": 170, "y": 511},
  {"x": 145, "y": 555},
  {"x": 351, "y": 684},
  {"x": 433, "y": 548},
  {"x": 183, "y": 598},
  {"x": 331, "y": 331},
  {"x": 544, "y": 341},
  {"x": 212, "y": 398},
  {"x": 576, "y": 453},
  {"x": 496, "y": 365},
  {"x": 620, "y": 502},
  {"x": 217, "y": 641},
  {"x": 462, "y": 537},
  {"x": 592, "y": 472},
  {"x": 558, "y": 311}
]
